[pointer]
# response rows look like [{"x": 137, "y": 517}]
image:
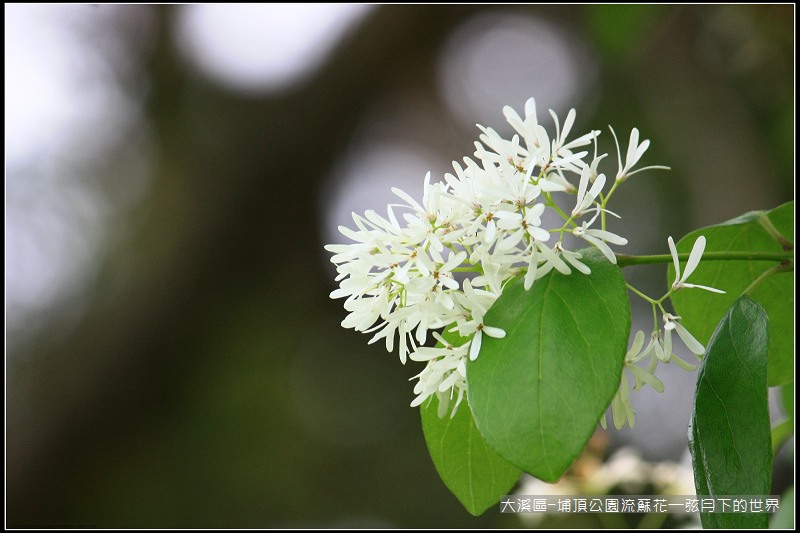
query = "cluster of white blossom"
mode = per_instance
[
  {"x": 439, "y": 265},
  {"x": 659, "y": 349}
]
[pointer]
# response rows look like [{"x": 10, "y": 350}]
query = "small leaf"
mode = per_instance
[
  {"x": 473, "y": 472},
  {"x": 537, "y": 395},
  {"x": 729, "y": 435},
  {"x": 701, "y": 310}
]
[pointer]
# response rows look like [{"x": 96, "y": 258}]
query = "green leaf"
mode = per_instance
[
  {"x": 729, "y": 435},
  {"x": 701, "y": 310},
  {"x": 538, "y": 394},
  {"x": 471, "y": 470}
]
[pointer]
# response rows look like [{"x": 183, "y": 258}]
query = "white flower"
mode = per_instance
[
  {"x": 560, "y": 144},
  {"x": 475, "y": 346},
  {"x": 533, "y": 263},
  {"x": 573, "y": 258},
  {"x": 557, "y": 258},
  {"x": 671, "y": 323},
  {"x": 477, "y": 328},
  {"x": 595, "y": 161},
  {"x": 635, "y": 152},
  {"x": 444, "y": 375},
  {"x": 599, "y": 237},
  {"x": 442, "y": 262},
  {"x": 526, "y": 127},
  {"x": 621, "y": 409},
  {"x": 587, "y": 198},
  {"x": 528, "y": 224},
  {"x": 552, "y": 259},
  {"x": 635, "y": 354},
  {"x": 694, "y": 259}
]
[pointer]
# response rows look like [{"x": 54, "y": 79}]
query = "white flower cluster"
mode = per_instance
[
  {"x": 659, "y": 349},
  {"x": 441, "y": 264}
]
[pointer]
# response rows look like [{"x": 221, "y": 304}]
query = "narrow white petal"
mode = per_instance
[
  {"x": 448, "y": 282},
  {"x": 475, "y": 347},
  {"x": 507, "y": 215},
  {"x": 630, "y": 159},
  {"x": 624, "y": 409},
  {"x": 667, "y": 345},
  {"x": 454, "y": 261},
  {"x": 712, "y": 289},
  {"x": 582, "y": 186},
  {"x": 536, "y": 210},
  {"x": 651, "y": 346},
  {"x": 538, "y": 233},
  {"x": 644, "y": 375},
  {"x": 530, "y": 275},
  {"x": 683, "y": 364},
  {"x": 597, "y": 187},
  {"x": 561, "y": 266},
  {"x": 493, "y": 332},
  {"x": 558, "y": 126},
  {"x": 619, "y": 154},
  {"x": 659, "y": 349},
  {"x": 573, "y": 260},
  {"x": 449, "y": 381},
  {"x": 694, "y": 258},
  {"x": 674, "y": 252},
  {"x": 636, "y": 346},
  {"x": 425, "y": 354},
  {"x": 568, "y": 124},
  {"x": 491, "y": 231},
  {"x": 613, "y": 238},
  {"x": 419, "y": 399},
  {"x": 688, "y": 339},
  {"x": 530, "y": 110},
  {"x": 641, "y": 149},
  {"x": 603, "y": 247},
  {"x": 411, "y": 202}
]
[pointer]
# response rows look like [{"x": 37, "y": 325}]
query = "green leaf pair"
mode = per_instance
[
  {"x": 537, "y": 395},
  {"x": 751, "y": 349}
]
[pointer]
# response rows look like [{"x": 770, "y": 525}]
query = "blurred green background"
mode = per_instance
[{"x": 173, "y": 358}]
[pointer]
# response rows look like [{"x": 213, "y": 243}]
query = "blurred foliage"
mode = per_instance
[{"x": 208, "y": 383}]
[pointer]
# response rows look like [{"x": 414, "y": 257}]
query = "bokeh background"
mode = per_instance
[{"x": 173, "y": 172}]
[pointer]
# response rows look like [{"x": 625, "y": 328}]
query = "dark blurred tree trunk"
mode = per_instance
[{"x": 233, "y": 210}]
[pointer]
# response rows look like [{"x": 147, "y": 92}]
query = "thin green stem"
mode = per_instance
[
  {"x": 655, "y": 317},
  {"x": 604, "y": 203},
  {"x": 787, "y": 266},
  {"x": 550, "y": 203},
  {"x": 632, "y": 260},
  {"x": 639, "y": 293}
]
